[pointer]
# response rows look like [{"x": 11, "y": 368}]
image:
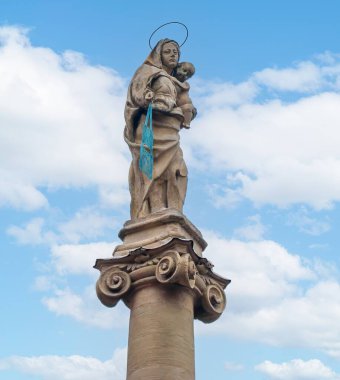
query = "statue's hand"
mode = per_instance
[
  {"x": 149, "y": 96},
  {"x": 160, "y": 107}
]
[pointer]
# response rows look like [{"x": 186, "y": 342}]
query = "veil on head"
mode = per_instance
[{"x": 155, "y": 58}]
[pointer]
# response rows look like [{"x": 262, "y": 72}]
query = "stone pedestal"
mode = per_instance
[
  {"x": 158, "y": 229},
  {"x": 160, "y": 274}
]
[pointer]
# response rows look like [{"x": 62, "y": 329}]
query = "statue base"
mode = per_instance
[{"x": 156, "y": 230}]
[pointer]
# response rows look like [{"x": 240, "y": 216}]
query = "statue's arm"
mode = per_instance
[
  {"x": 188, "y": 102},
  {"x": 162, "y": 92}
]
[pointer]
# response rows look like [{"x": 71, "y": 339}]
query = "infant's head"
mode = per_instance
[{"x": 184, "y": 71}]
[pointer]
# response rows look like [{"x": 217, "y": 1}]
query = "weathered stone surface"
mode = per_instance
[
  {"x": 157, "y": 229},
  {"x": 161, "y": 339},
  {"x": 155, "y": 82},
  {"x": 166, "y": 284},
  {"x": 175, "y": 262}
]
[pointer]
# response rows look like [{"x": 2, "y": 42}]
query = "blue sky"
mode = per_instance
[{"x": 264, "y": 181}]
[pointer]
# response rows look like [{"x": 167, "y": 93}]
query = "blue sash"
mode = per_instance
[{"x": 146, "y": 147}]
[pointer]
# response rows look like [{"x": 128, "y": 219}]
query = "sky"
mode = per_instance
[{"x": 264, "y": 181}]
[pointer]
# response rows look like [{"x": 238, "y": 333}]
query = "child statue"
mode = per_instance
[{"x": 183, "y": 72}]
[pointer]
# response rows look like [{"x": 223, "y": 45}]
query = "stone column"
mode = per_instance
[
  {"x": 160, "y": 274},
  {"x": 161, "y": 336}
]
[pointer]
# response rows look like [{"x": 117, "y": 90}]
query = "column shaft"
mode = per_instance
[{"x": 161, "y": 336}]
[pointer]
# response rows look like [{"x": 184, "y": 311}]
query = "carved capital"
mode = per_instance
[
  {"x": 176, "y": 269},
  {"x": 175, "y": 263}
]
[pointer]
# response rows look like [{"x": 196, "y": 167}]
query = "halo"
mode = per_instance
[{"x": 167, "y": 23}]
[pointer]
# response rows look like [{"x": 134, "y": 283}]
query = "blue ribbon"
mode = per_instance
[{"x": 146, "y": 147}]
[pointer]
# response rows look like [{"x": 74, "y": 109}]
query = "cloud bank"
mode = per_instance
[
  {"x": 276, "y": 297},
  {"x": 274, "y": 138},
  {"x": 297, "y": 369},
  {"x": 62, "y": 123},
  {"x": 75, "y": 367}
]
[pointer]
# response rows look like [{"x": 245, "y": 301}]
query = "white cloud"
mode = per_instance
[
  {"x": 85, "y": 224},
  {"x": 62, "y": 123},
  {"x": 61, "y": 276},
  {"x": 68, "y": 261},
  {"x": 43, "y": 284},
  {"x": 306, "y": 76},
  {"x": 303, "y": 77},
  {"x": 268, "y": 150},
  {"x": 32, "y": 233},
  {"x": 308, "y": 224},
  {"x": 275, "y": 297},
  {"x": 79, "y": 258},
  {"x": 112, "y": 196},
  {"x": 253, "y": 230},
  {"x": 309, "y": 319},
  {"x": 75, "y": 367},
  {"x": 262, "y": 272},
  {"x": 17, "y": 194},
  {"x": 297, "y": 369},
  {"x": 86, "y": 308},
  {"x": 217, "y": 95}
]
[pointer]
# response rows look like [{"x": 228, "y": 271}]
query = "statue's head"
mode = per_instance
[
  {"x": 169, "y": 55},
  {"x": 164, "y": 55}
]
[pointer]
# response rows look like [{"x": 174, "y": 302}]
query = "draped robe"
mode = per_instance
[{"x": 167, "y": 188}]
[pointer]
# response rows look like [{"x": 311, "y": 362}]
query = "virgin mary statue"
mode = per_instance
[{"x": 154, "y": 82}]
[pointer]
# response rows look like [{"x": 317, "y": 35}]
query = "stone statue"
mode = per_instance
[{"x": 161, "y": 80}]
